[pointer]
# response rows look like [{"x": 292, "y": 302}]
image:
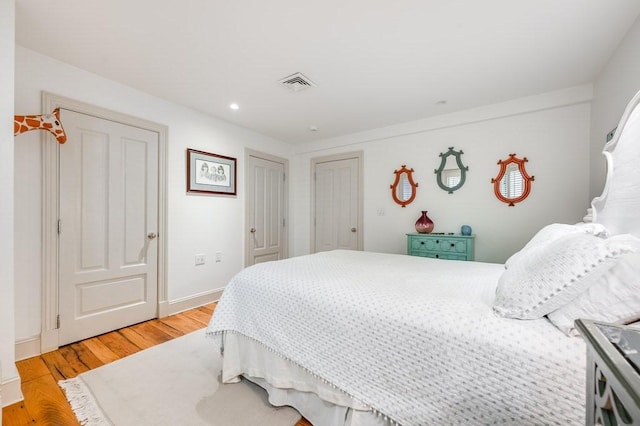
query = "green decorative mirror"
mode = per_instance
[{"x": 452, "y": 173}]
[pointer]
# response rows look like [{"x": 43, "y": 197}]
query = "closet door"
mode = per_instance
[
  {"x": 337, "y": 204},
  {"x": 266, "y": 208},
  {"x": 107, "y": 228}
]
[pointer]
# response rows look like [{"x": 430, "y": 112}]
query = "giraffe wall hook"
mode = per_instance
[{"x": 50, "y": 122}]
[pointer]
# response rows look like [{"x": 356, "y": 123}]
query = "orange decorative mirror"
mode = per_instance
[
  {"x": 512, "y": 184},
  {"x": 403, "y": 189}
]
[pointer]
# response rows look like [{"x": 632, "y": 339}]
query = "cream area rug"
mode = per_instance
[{"x": 175, "y": 383}]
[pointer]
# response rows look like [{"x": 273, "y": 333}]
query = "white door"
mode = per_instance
[
  {"x": 266, "y": 209},
  {"x": 108, "y": 225},
  {"x": 337, "y": 204}
]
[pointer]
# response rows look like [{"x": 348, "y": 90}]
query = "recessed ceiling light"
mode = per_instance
[
  {"x": 234, "y": 106},
  {"x": 441, "y": 103},
  {"x": 313, "y": 128}
]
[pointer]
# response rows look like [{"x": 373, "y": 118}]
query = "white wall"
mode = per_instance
[
  {"x": 9, "y": 380},
  {"x": 613, "y": 89},
  {"x": 551, "y": 130},
  {"x": 197, "y": 224}
]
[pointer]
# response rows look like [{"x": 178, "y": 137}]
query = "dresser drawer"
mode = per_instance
[
  {"x": 450, "y": 245},
  {"x": 447, "y": 256},
  {"x": 445, "y": 244},
  {"x": 453, "y": 247}
]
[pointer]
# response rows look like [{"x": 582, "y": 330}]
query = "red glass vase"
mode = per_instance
[{"x": 424, "y": 225}]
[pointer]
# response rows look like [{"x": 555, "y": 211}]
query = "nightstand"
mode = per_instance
[
  {"x": 613, "y": 373},
  {"x": 441, "y": 246}
]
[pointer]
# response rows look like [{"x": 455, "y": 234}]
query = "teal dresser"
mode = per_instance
[{"x": 439, "y": 246}]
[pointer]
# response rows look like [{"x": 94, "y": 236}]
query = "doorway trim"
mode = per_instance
[
  {"x": 50, "y": 194},
  {"x": 359, "y": 155}
]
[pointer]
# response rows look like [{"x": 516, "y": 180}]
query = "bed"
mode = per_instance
[{"x": 360, "y": 338}]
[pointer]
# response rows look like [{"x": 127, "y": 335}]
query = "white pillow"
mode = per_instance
[
  {"x": 552, "y": 232},
  {"x": 546, "y": 279},
  {"x": 613, "y": 298}
]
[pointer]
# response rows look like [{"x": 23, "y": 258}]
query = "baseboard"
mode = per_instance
[
  {"x": 30, "y": 347},
  {"x": 10, "y": 392},
  {"x": 190, "y": 302},
  {"x": 27, "y": 348}
]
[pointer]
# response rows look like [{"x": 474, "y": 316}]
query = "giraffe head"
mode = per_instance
[{"x": 50, "y": 122}]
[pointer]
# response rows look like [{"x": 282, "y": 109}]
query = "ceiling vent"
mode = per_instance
[{"x": 297, "y": 82}]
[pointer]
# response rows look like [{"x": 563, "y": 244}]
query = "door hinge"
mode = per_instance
[
  {"x": 283, "y": 225},
  {"x": 284, "y": 177},
  {"x": 59, "y": 226},
  {"x": 58, "y": 321}
]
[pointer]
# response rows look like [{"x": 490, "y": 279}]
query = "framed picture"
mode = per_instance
[{"x": 209, "y": 173}]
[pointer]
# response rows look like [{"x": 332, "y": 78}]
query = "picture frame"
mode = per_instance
[{"x": 209, "y": 173}]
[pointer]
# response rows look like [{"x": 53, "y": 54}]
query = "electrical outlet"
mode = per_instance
[
  {"x": 218, "y": 256},
  {"x": 199, "y": 259}
]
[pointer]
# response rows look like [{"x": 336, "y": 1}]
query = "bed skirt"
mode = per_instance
[{"x": 288, "y": 384}]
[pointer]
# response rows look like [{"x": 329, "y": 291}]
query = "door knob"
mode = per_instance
[
  {"x": 152, "y": 235},
  {"x": 252, "y": 230},
  {"x": 353, "y": 229}
]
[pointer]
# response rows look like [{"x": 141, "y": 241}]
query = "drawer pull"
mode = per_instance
[
  {"x": 422, "y": 242},
  {"x": 437, "y": 256},
  {"x": 453, "y": 245},
  {"x": 437, "y": 241}
]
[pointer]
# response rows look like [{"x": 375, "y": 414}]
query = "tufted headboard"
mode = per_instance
[{"x": 618, "y": 208}]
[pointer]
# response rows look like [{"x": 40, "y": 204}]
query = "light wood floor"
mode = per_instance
[{"x": 44, "y": 402}]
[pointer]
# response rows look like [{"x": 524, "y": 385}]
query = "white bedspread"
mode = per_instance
[{"x": 415, "y": 339}]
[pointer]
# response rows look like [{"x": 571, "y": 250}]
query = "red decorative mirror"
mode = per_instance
[
  {"x": 512, "y": 184},
  {"x": 403, "y": 189}
]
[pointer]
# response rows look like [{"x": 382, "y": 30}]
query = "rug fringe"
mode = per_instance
[{"x": 83, "y": 404}]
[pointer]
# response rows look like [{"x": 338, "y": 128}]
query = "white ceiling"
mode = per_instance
[{"x": 376, "y": 63}]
